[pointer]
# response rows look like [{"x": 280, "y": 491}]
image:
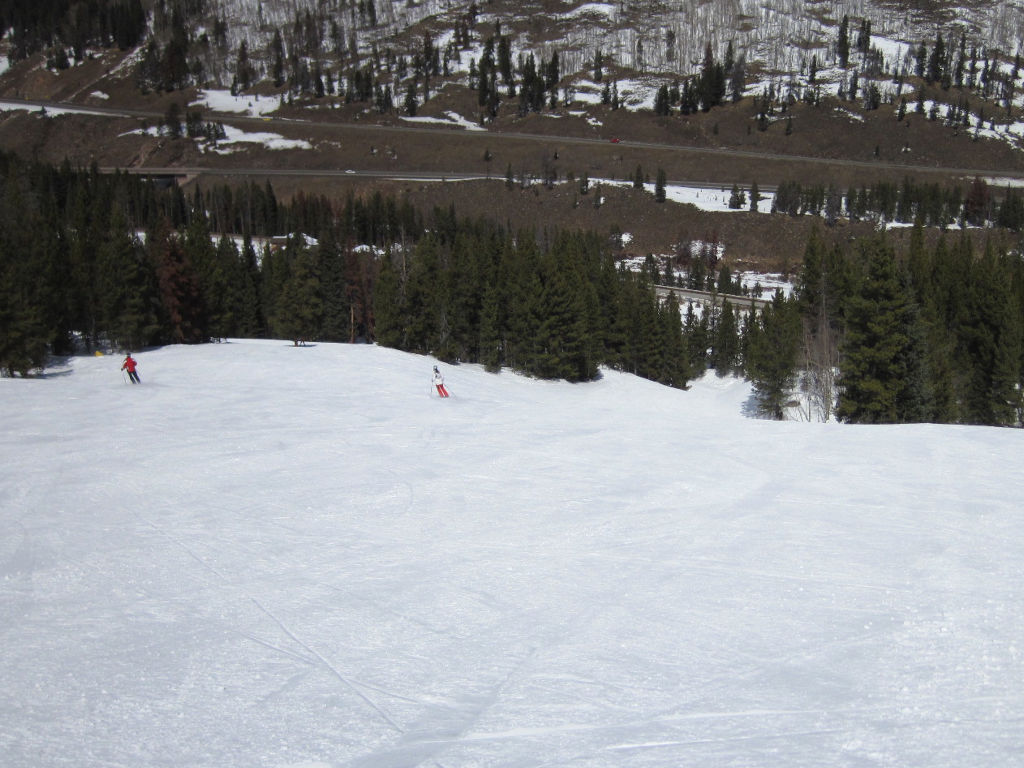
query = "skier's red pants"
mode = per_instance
[{"x": 441, "y": 391}]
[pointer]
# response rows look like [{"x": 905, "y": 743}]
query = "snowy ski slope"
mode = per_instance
[{"x": 298, "y": 558}]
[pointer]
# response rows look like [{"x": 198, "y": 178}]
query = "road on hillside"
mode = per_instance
[
  {"x": 187, "y": 171},
  {"x": 230, "y": 118}
]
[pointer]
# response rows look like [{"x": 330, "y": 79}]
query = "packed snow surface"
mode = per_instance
[{"x": 269, "y": 555}]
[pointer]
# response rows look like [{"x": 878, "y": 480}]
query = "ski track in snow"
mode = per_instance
[{"x": 298, "y": 558}]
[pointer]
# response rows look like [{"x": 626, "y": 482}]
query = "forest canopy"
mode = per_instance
[{"x": 871, "y": 335}]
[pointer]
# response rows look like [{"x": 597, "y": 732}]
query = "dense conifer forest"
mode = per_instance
[
  {"x": 99, "y": 261},
  {"x": 94, "y": 261},
  {"x": 931, "y": 334},
  {"x": 64, "y": 28}
]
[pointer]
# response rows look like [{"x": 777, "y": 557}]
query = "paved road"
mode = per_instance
[
  {"x": 489, "y": 136},
  {"x": 186, "y": 171}
]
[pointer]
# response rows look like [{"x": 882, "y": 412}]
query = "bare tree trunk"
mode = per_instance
[{"x": 821, "y": 362}]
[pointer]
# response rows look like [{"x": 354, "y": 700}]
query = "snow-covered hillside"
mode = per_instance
[{"x": 278, "y": 556}]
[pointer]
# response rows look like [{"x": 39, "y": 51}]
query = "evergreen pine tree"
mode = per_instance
[
  {"x": 424, "y": 298},
  {"x": 755, "y": 197},
  {"x": 211, "y": 274},
  {"x": 843, "y": 42},
  {"x": 388, "y": 305},
  {"x": 659, "y": 186},
  {"x": 24, "y": 335},
  {"x": 630, "y": 310},
  {"x": 560, "y": 341},
  {"x": 676, "y": 370},
  {"x": 772, "y": 347},
  {"x": 181, "y": 300},
  {"x": 874, "y": 385},
  {"x": 490, "y": 351},
  {"x": 650, "y": 352},
  {"x": 725, "y": 344},
  {"x": 337, "y": 311},
  {"x": 464, "y": 291},
  {"x": 736, "y": 198},
  {"x": 299, "y": 309},
  {"x": 698, "y": 338},
  {"x": 248, "y": 311},
  {"x": 277, "y": 55},
  {"x": 989, "y": 330},
  {"x": 937, "y": 61},
  {"x": 914, "y": 401},
  {"x": 521, "y": 268},
  {"x": 129, "y": 296},
  {"x": 661, "y": 102},
  {"x": 610, "y": 336},
  {"x": 23, "y": 345},
  {"x": 85, "y": 232}
]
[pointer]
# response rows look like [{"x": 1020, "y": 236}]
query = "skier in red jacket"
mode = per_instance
[{"x": 129, "y": 365}]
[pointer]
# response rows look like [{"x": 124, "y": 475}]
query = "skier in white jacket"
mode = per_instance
[{"x": 439, "y": 383}]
